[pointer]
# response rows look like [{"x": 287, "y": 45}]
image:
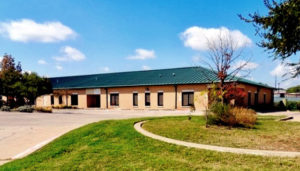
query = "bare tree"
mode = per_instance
[{"x": 226, "y": 59}]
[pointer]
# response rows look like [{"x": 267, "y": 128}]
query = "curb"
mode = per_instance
[{"x": 270, "y": 153}]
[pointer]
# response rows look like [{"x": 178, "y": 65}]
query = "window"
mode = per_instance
[
  {"x": 74, "y": 99},
  {"x": 114, "y": 99},
  {"x": 265, "y": 98},
  {"x": 135, "y": 99},
  {"x": 52, "y": 100},
  {"x": 187, "y": 98},
  {"x": 249, "y": 98},
  {"x": 147, "y": 99},
  {"x": 60, "y": 101},
  {"x": 256, "y": 98},
  {"x": 160, "y": 98}
]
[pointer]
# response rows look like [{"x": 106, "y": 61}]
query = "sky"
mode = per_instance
[{"x": 75, "y": 37}]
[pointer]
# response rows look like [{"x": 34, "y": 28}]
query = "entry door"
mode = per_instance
[{"x": 93, "y": 100}]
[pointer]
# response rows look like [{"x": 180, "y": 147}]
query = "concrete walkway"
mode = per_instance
[
  {"x": 138, "y": 128},
  {"x": 294, "y": 114}
]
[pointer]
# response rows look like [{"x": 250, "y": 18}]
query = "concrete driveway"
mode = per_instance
[{"x": 23, "y": 133}]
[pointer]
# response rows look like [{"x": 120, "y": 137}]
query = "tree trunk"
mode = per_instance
[{"x": 222, "y": 90}]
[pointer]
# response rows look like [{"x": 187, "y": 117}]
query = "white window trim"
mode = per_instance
[
  {"x": 160, "y": 91},
  {"x": 114, "y": 92},
  {"x": 147, "y": 92},
  {"x": 135, "y": 92}
]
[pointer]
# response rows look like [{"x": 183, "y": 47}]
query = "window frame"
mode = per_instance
[
  {"x": 52, "y": 100},
  {"x": 146, "y": 103},
  {"x": 249, "y": 98},
  {"x": 76, "y": 100},
  {"x": 116, "y": 97},
  {"x": 256, "y": 98},
  {"x": 60, "y": 99},
  {"x": 188, "y": 93},
  {"x": 158, "y": 99},
  {"x": 135, "y": 102}
]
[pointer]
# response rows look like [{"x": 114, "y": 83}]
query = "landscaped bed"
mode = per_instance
[
  {"x": 267, "y": 134},
  {"x": 115, "y": 145}
]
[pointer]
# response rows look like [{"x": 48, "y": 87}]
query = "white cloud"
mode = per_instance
[
  {"x": 196, "y": 58},
  {"x": 142, "y": 54},
  {"x": 196, "y": 37},
  {"x": 145, "y": 67},
  {"x": 289, "y": 82},
  {"x": 282, "y": 71},
  {"x": 42, "y": 62},
  {"x": 105, "y": 69},
  {"x": 29, "y": 72},
  {"x": 70, "y": 54},
  {"x": 246, "y": 65},
  {"x": 27, "y": 30},
  {"x": 58, "y": 67},
  {"x": 279, "y": 70}
]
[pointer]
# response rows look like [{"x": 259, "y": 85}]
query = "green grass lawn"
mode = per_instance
[
  {"x": 115, "y": 145},
  {"x": 268, "y": 133}
]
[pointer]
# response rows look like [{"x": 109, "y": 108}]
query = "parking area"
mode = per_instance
[{"x": 23, "y": 133}]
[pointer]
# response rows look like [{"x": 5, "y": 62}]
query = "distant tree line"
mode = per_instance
[
  {"x": 295, "y": 89},
  {"x": 19, "y": 87}
]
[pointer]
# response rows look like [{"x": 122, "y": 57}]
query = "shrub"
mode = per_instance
[
  {"x": 279, "y": 105},
  {"x": 222, "y": 114},
  {"x": 219, "y": 113},
  {"x": 26, "y": 108},
  {"x": 291, "y": 105},
  {"x": 47, "y": 109},
  {"x": 63, "y": 107},
  {"x": 5, "y": 108},
  {"x": 243, "y": 117},
  {"x": 298, "y": 105}
]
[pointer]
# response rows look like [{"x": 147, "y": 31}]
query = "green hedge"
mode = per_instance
[{"x": 290, "y": 105}]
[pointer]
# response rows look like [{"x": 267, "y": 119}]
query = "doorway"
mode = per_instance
[{"x": 93, "y": 101}]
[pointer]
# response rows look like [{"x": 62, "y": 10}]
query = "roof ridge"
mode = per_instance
[{"x": 131, "y": 71}]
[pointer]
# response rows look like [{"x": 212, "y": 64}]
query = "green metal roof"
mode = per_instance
[{"x": 187, "y": 75}]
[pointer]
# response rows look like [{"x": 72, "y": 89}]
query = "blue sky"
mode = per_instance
[{"x": 70, "y": 37}]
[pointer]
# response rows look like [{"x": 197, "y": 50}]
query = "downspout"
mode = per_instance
[
  {"x": 106, "y": 91},
  {"x": 175, "y": 86}
]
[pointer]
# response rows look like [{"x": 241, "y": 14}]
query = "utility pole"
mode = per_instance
[{"x": 276, "y": 82}]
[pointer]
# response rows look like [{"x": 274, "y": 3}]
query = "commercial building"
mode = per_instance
[{"x": 176, "y": 88}]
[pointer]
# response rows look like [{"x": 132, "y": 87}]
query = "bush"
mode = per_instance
[
  {"x": 279, "y": 105},
  {"x": 5, "y": 108},
  {"x": 26, "y": 108},
  {"x": 243, "y": 117},
  {"x": 64, "y": 107},
  {"x": 222, "y": 114},
  {"x": 291, "y": 105},
  {"x": 44, "y": 109},
  {"x": 219, "y": 112}
]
